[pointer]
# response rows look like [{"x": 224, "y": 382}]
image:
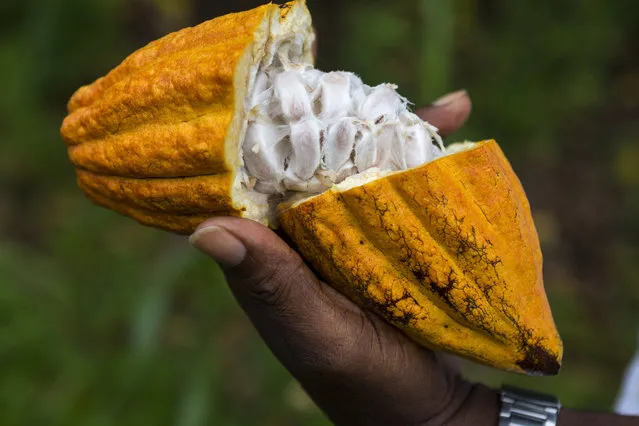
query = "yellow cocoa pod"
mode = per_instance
[
  {"x": 230, "y": 118},
  {"x": 446, "y": 251}
]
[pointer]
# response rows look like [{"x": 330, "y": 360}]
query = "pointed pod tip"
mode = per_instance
[{"x": 538, "y": 361}]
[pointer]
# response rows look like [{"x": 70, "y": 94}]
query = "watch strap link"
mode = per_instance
[{"x": 526, "y": 408}]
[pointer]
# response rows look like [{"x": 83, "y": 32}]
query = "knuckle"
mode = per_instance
[
  {"x": 269, "y": 290},
  {"x": 273, "y": 287},
  {"x": 338, "y": 353}
]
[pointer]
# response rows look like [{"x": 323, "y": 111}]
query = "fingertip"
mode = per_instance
[
  {"x": 448, "y": 113},
  {"x": 450, "y": 98},
  {"x": 200, "y": 232},
  {"x": 236, "y": 225},
  {"x": 220, "y": 244},
  {"x": 220, "y": 237}
]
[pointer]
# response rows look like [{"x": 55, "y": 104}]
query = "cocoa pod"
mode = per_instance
[{"x": 446, "y": 251}]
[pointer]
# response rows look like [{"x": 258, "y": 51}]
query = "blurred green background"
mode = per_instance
[{"x": 104, "y": 322}]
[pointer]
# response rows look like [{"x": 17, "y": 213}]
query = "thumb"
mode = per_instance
[
  {"x": 293, "y": 311},
  {"x": 259, "y": 267},
  {"x": 357, "y": 368}
]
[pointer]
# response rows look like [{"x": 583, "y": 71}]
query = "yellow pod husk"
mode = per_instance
[
  {"x": 157, "y": 138},
  {"x": 447, "y": 251}
]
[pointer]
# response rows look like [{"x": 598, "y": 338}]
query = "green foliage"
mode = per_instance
[{"x": 105, "y": 322}]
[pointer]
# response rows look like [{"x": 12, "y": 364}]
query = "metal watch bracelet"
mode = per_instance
[{"x": 521, "y": 407}]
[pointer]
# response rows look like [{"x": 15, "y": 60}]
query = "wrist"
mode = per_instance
[
  {"x": 570, "y": 417},
  {"x": 479, "y": 408}
]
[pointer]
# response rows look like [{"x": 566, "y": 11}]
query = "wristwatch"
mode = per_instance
[{"x": 521, "y": 407}]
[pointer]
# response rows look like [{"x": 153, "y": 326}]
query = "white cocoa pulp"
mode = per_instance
[{"x": 309, "y": 130}]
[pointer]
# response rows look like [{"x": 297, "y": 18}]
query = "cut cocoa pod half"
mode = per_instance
[{"x": 231, "y": 118}]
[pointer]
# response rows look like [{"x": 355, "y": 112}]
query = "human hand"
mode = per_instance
[{"x": 356, "y": 367}]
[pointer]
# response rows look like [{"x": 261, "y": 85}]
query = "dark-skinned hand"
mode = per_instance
[{"x": 357, "y": 368}]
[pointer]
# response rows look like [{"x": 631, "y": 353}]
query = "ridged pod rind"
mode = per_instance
[
  {"x": 447, "y": 252},
  {"x": 157, "y": 137}
]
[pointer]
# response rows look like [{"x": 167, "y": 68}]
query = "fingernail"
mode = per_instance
[
  {"x": 449, "y": 98},
  {"x": 220, "y": 244}
]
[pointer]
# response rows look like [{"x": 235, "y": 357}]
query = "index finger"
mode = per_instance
[{"x": 448, "y": 113}]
